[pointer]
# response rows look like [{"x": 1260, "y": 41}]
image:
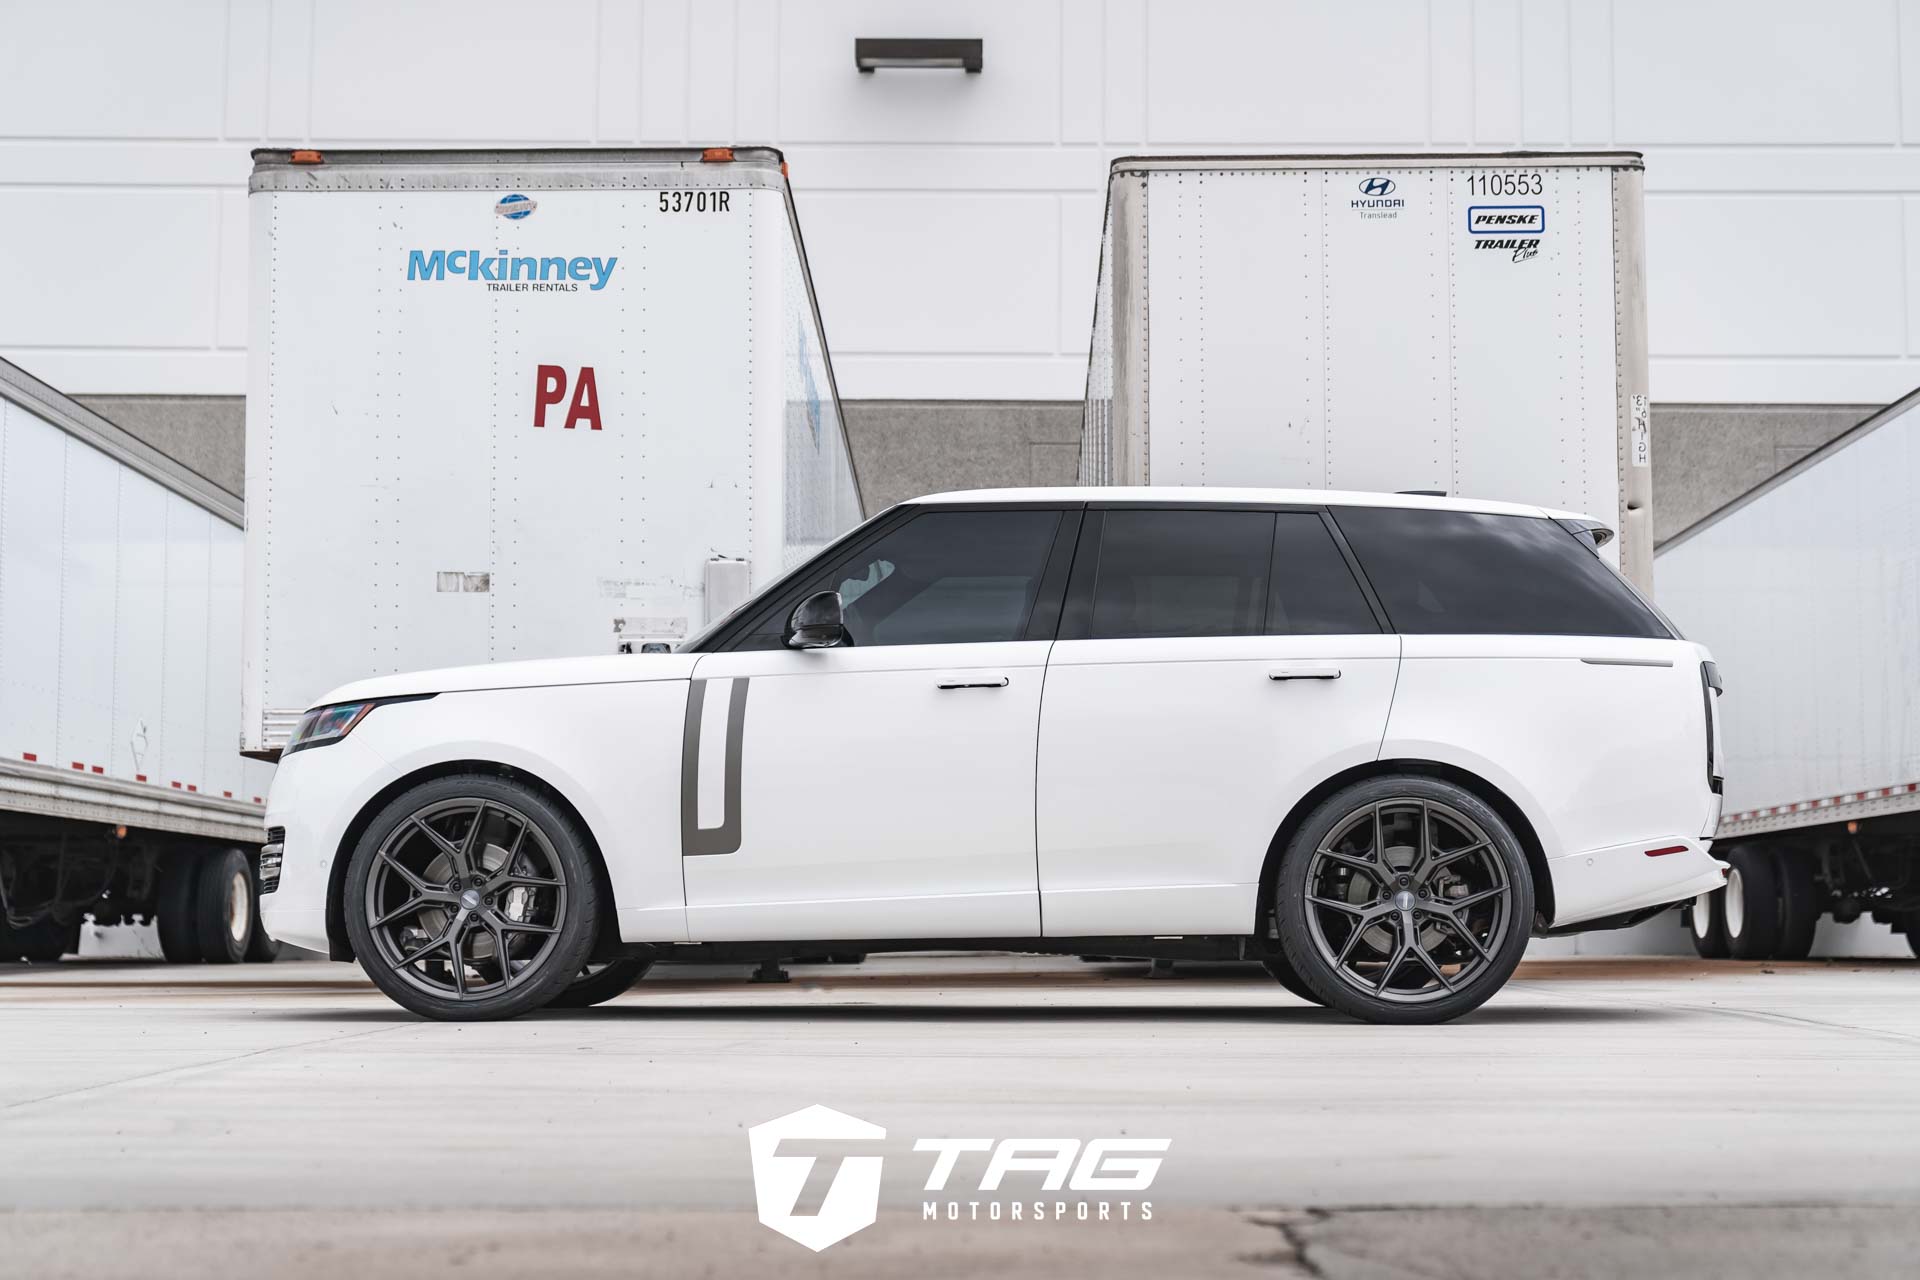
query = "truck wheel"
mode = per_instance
[
  {"x": 1751, "y": 904},
  {"x": 1707, "y": 925},
  {"x": 472, "y": 897},
  {"x": 1799, "y": 905},
  {"x": 174, "y": 908},
  {"x": 601, "y": 981},
  {"x": 223, "y": 907},
  {"x": 1404, "y": 899}
]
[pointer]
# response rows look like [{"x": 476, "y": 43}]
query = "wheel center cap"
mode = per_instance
[
  {"x": 1403, "y": 901},
  {"x": 470, "y": 899}
]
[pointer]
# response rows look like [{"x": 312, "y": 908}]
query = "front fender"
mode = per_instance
[{"x": 612, "y": 751}]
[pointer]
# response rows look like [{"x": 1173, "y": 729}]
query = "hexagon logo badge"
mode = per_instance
[{"x": 809, "y": 1181}]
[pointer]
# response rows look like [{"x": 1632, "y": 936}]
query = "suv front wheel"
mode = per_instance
[
  {"x": 471, "y": 898},
  {"x": 1404, "y": 899}
]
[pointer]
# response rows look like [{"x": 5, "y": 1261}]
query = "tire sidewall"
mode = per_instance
[
  {"x": 577, "y": 927},
  {"x": 1759, "y": 880},
  {"x": 214, "y": 884},
  {"x": 597, "y": 988},
  {"x": 1290, "y": 908}
]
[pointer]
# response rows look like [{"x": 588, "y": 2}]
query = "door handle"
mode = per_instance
[
  {"x": 974, "y": 680},
  {"x": 1308, "y": 671}
]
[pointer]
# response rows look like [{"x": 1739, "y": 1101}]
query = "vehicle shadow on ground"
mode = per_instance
[{"x": 1296, "y": 1015}]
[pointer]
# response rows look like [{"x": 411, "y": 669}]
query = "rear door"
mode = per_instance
[{"x": 1213, "y": 664}]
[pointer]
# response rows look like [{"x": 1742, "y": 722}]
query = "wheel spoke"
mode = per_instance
[
  {"x": 1423, "y": 846},
  {"x": 1473, "y": 899},
  {"x": 419, "y": 885},
  {"x": 425, "y": 950},
  {"x": 404, "y": 909},
  {"x": 516, "y": 926},
  {"x": 1454, "y": 855},
  {"x": 1393, "y": 967},
  {"x": 1367, "y": 865},
  {"x": 501, "y": 954},
  {"x": 459, "y": 966},
  {"x": 1366, "y": 911},
  {"x": 452, "y": 851},
  {"x": 1353, "y": 938},
  {"x": 1432, "y": 968},
  {"x": 464, "y": 861},
  {"x": 1459, "y": 927}
]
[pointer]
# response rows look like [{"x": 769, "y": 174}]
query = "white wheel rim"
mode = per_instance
[
  {"x": 1702, "y": 915},
  {"x": 1736, "y": 905},
  {"x": 239, "y": 907}
]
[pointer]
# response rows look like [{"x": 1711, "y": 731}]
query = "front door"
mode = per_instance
[
  {"x": 1214, "y": 664},
  {"x": 881, "y": 789}
]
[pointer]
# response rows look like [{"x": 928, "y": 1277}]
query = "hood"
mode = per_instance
[{"x": 608, "y": 669}]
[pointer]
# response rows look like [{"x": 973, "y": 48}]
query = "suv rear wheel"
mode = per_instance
[
  {"x": 1404, "y": 899},
  {"x": 472, "y": 898}
]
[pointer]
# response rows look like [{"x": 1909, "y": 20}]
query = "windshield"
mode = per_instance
[{"x": 697, "y": 642}]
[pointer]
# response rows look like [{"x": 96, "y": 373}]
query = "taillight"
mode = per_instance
[{"x": 1711, "y": 688}]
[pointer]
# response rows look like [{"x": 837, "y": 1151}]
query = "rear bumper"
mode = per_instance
[{"x": 1601, "y": 883}]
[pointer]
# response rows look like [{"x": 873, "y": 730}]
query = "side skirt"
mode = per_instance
[{"x": 1212, "y": 947}]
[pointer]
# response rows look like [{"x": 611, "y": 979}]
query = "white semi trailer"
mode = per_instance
[
  {"x": 1807, "y": 588},
  {"x": 122, "y": 791},
  {"x": 510, "y": 404},
  {"x": 1472, "y": 325}
]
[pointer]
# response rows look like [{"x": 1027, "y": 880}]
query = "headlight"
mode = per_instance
[{"x": 324, "y": 726}]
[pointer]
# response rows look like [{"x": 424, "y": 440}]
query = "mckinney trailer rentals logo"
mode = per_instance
[
  {"x": 816, "y": 1176},
  {"x": 503, "y": 271}
]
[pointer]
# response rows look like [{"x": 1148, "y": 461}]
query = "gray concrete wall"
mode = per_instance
[
  {"x": 1703, "y": 455},
  {"x": 207, "y": 433},
  {"x": 904, "y": 448},
  {"x": 1706, "y": 455}
]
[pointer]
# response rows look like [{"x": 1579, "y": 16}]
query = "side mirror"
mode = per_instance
[{"x": 817, "y": 623}]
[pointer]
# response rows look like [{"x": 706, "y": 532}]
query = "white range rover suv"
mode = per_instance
[{"x": 1374, "y": 741}]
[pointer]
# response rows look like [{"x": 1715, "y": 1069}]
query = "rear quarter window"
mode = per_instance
[{"x": 1464, "y": 573}]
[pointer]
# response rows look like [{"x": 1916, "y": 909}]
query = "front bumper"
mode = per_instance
[
  {"x": 315, "y": 797},
  {"x": 1602, "y": 883}
]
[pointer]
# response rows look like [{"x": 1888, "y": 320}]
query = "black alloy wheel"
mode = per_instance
[
  {"x": 472, "y": 898},
  {"x": 1404, "y": 900}
]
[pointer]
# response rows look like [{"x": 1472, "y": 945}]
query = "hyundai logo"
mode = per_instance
[{"x": 1377, "y": 187}]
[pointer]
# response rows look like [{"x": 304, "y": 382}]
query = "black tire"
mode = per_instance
[
  {"x": 599, "y": 983},
  {"x": 223, "y": 907},
  {"x": 263, "y": 949},
  {"x": 1912, "y": 931},
  {"x": 174, "y": 914},
  {"x": 1800, "y": 904},
  {"x": 434, "y": 988},
  {"x": 1284, "y": 974},
  {"x": 1750, "y": 904},
  {"x": 1707, "y": 925},
  {"x": 1481, "y": 857}
]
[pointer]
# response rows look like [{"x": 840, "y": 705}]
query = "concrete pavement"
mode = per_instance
[{"x": 293, "y": 1103}]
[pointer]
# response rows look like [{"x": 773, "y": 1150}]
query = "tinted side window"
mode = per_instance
[
  {"x": 1459, "y": 573},
  {"x": 947, "y": 577},
  {"x": 1314, "y": 593},
  {"x": 1182, "y": 573}
]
